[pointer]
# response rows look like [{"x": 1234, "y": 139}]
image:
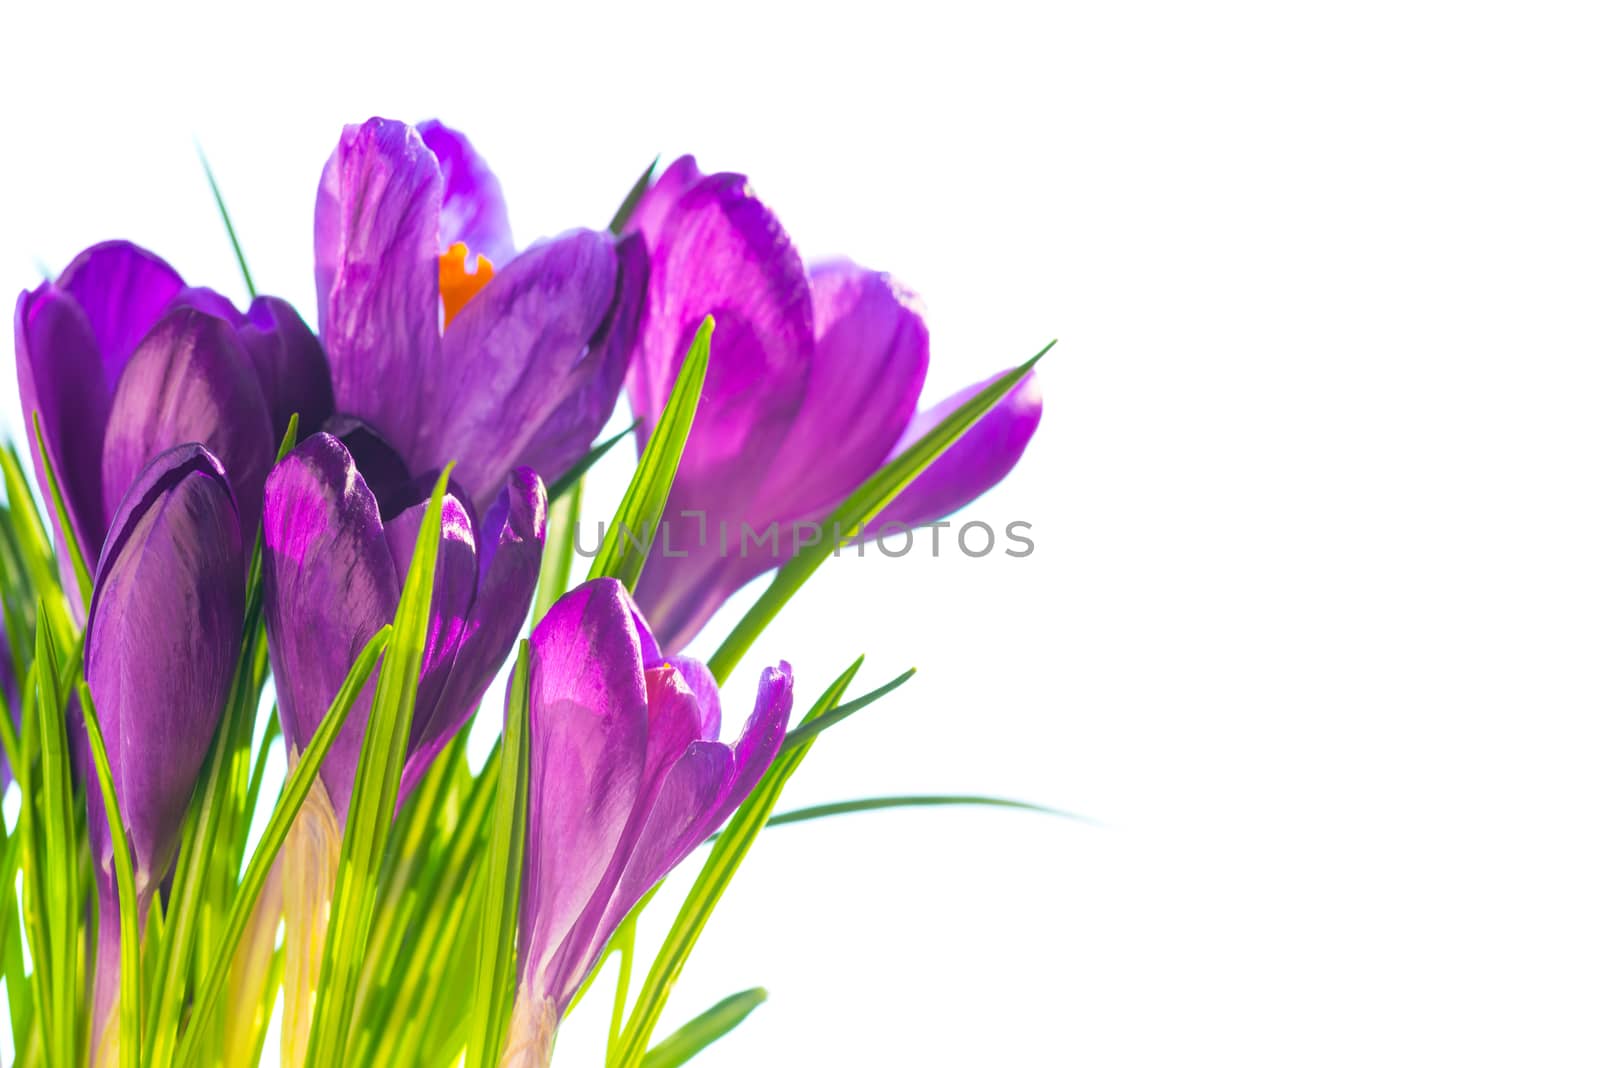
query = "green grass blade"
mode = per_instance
[
  {"x": 69, "y": 537},
  {"x": 502, "y": 885},
  {"x": 576, "y": 472},
  {"x": 694, "y": 1036},
  {"x": 295, "y": 790},
  {"x": 627, "y": 541},
  {"x": 847, "y": 521},
  {"x": 726, "y": 856},
  {"x": 60, "y": 849},
  {"x": 32, "y": 539},
  {"x": 806, "y": 732},
  {"x": 227, "y": 221},
  {"x": 127, "y": 903},
  {"x": 624, "y": 212},
  {"x": 875, "y": 804},
  {"x": 372, "y": 803}
]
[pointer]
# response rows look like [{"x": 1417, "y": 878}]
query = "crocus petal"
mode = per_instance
[
  {"x": 328, "y": 585},
  {"x": 722, "y": 253},
  {"x": 163, "y": 637},
  {"x": 517, "y": 353},
  {"x": 189, "y": 381},
  {"x": 510, "y": 547},
  {"x": 472, "y": 210},
  {"x": 701, "y": 789},
  {"x": 976, "y": 461},
  {"x": 455, "y": 579},
  {"x": 290, "y": 366},
  {"x": 60, "y": 375},
  {"x": 698, "y": 677},
  {"x": 589, "y": 735},
  {"x": 377, "y": 249},
  {"x": 209, "y": 301},
  {"x": 567, "y": 432},
  {"x": 382, "y": 468},
  {"x": 871, "y": 359},
  {"x": 123, "y": 289},
  {"x": 656, "y": 205}
]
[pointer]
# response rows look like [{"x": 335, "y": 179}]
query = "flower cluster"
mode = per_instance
[{"x": 237, "y": 497}]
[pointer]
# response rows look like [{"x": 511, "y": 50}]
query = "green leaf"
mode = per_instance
[
  {"x": 502, "y": 884},
  {"x": 873, "y": 804},
  {"x": 847, "y": 520},
  {"x": 625, "y": 210},
  {"x": 576, "y": 472},
  {"x": 31, "y": 538},
  {"x": 295, "y": 790},
  {"x": 227, "y": 221},
  {"x": 69, "y": 537},
  {"x": 726, "y": 856},
  {"x": 62, "y": 956},
  {"x": 372, "y": 802},
  {"x": 127, "y": 903},
  {"x": 700, "y": 1032},
  {"x": 805, "y": 733},
  {"x": 627, "y": 541}
]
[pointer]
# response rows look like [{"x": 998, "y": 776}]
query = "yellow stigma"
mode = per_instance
[{"x": 456, "y": 285}]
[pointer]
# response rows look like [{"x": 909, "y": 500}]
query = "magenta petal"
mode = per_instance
[
  {"x": 593, "y": 386},
  {"x": 377, "y": 248},
  {"x": 455, "y": 579},
  {"x": 510, "y": 547},
  {"x": 290, "y": 366},
  {"x": 190, "y": 381},
  {"x": 722, "y": 253},
  {"x": 162, "y": 640},
  {"x": 123, "y": 289},
  {"x": 60, "y": 375},
  {"x": 209, "y": 301},
  {"x": 590, "y": 723},
  {"x": 698, "y": 677},
  {"x": 472, "y": 210},
  {"x": 871, "y": 359},
  {"x": 979, "y": 458},
  {"x": 656, "y": 205},
  {"x": 328, "y": 585},
  {"x": 519, "y": 353},
  {"x": 700, "y": 791}
]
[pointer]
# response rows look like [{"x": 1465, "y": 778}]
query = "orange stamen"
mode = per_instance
[{"x": 456, "y": 284}]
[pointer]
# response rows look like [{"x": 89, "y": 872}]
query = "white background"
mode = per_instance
[{"x": 1312, "y": 620}]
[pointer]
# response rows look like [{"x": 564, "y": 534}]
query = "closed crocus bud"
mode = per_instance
[
  {"x": 814, "y": 384},
  {"x": 525, "y": 369},
  {"x": 121, "y": 360},
  {"x": 627, "y": 777},
  {"x": 333, "y": 561},
  {"x": 160, "y": 649}
]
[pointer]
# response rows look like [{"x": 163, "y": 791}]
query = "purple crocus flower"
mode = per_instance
[
  {"x": 163, "y": 636},
  {"x": 334, "y": 557},
  {"x": 627, "y": 777},
  {"x": 813, "y": 385},
  {"x": 123, "y": 361},
  {"x": 517, "y": 362}
]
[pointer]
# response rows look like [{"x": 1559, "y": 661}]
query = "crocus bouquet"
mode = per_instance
[{"x": 259, "y": 535}]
